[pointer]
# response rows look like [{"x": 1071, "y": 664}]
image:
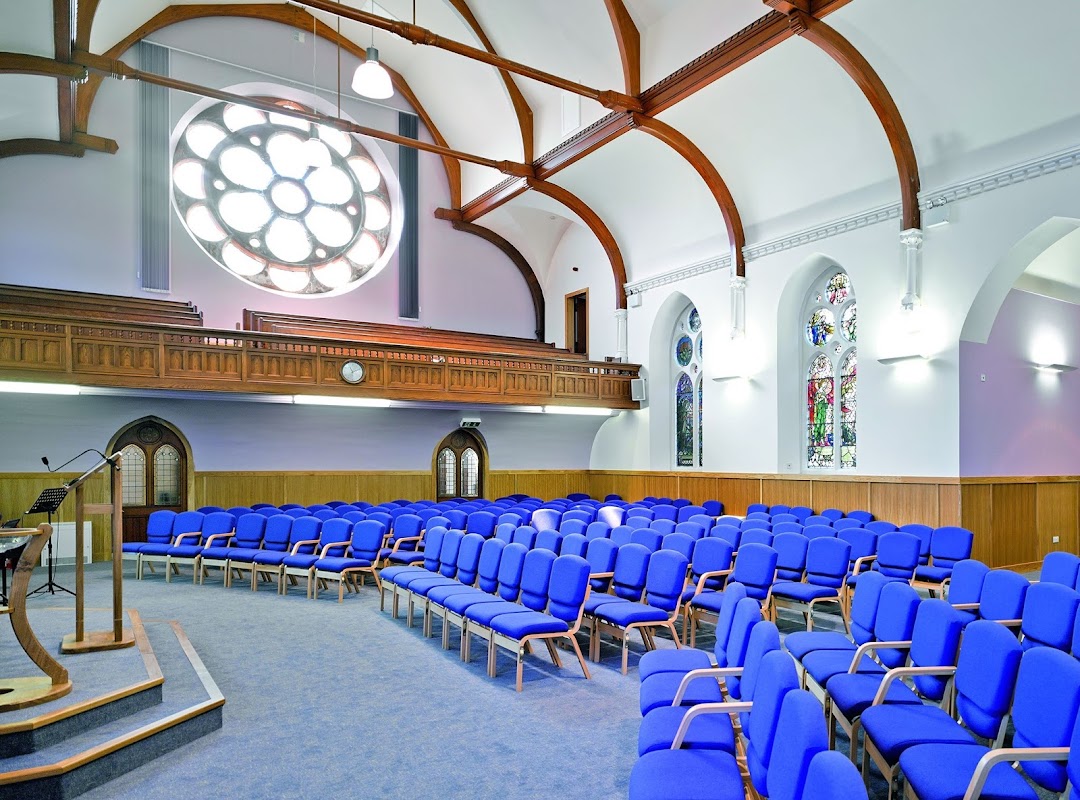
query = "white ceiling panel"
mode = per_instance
[
  {"x": 27, "y": 27},
  {"x": 28, "y": 107}
]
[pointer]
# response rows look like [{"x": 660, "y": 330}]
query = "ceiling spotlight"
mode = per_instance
[{"x": 371, "y": 78}]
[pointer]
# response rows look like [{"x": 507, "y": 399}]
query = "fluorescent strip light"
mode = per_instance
[
  {"x": 21, "y": 387},
  {"x": 729, "y": 377},
  {"x": 901, "y": 359},
  {"x": 583, "y": 411},
  {"x": 328, "y": 400},
  {"x": 1054, "y": 367}
]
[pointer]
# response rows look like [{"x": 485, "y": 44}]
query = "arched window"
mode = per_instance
[
  {"x": 689, "y": 390},
  {"x": 133, "y": 461},
  {"x": 166, "y": 476},
  {"x": 459, "y": 466},
  {"x": 830, "y": 320},
  {"x": 153, "y": 473},
  {"x": 447, "y": 473}
]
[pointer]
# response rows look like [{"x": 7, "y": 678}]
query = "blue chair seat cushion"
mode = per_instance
[
  {"x": 624, "y": 614},
  {"x": 890, "y": 578},
  {"x": 185, "y": 551},
  {"x": 390, "y": 573},
  {"x": 687, "y": 774},
  {"x": 594, "y": 601},
  {"x": 132, "y": 547},
  {"x": 800, "y": 643},
  {"x": 708, "y": 732},
  {"x": 409, "y": 574},
  {"x": 462, "y": 601},
  {"x": 245, "y": 554},
  {"x": 894, "y": 729},
  {"x": 270, "y": 558},
  {"x": 933, "y": 574},
  {"x": 404, "y": 557},
  {"x": 517, "y": 626},
  {"x": 439, "y": 594},
  {"x": 803, "y": 592},
  {"x": 659, "y": 690},
  {"x": 218, "y": 553},
  {"x": 152, "y": 549},
  {"x": 824, "y": 664},
  {"x": 670, "y": 660},
  {"x": 853, "y": 694},
  {"x": 421, "y": 586},
  {"x": 484, "y": 613},
  {"x": 708, "y": 601},
  {"x": 300, "y": 561},
  {"x": 943, "y": 772},
  {"x": 340, "y": 564}
]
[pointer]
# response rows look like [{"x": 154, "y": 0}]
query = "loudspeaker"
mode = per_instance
[{"x": 638, "y": 389}]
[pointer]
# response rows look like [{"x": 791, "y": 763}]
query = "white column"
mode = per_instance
[
  {"x": 737, "y": 286},
  {"x": 912, "y": 240},
  {"x": 622, "y": 347}
]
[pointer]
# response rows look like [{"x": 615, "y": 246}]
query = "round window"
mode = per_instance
[{"x": 288, "y": 205}]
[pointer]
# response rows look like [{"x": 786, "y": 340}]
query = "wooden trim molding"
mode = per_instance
[
  {"x": 682, "y": 145},
  {"x": 629, "y": 41},
  {"x": 40, "y": 147},
  {"x": 40, "y": 65},
  {"x": 453, "y": 216},
  {"x": 595, "y": 224}
]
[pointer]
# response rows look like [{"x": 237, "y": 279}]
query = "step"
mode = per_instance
[{"x": 190, "y": 708}]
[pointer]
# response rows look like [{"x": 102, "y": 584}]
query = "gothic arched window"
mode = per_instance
[{"x": 686, "y": 344}]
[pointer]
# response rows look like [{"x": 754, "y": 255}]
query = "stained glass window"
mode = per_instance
[
  {"x": 830, "y": 377},
  {"x": 447, "y": 473},
  {"x": 133, "y": 475},
  {"x": 687, "y": 347},
  {"x": 470, "y": 473},
  {"x": 166, "y": 476}
]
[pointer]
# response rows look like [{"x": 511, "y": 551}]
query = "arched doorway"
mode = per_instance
[
  {"x": 155, "y": 462},
  {"x": 460, "y": 465}
]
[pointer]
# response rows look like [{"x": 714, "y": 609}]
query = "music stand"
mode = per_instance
[{"x": 48, "y": 502}]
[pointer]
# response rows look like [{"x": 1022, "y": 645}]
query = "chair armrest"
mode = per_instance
[
  {"x": 860, "y": 561},
  {"x": 214, "y": 536},
  {"x": 714, "y": 573},
  {"x": 701, "y": 709},
  {"x": 331, "y": 545},
  {"x": 966, "y": 606},
  {"x": 593, "y": 575},
  {"x": 1010, "y": 754},
  {"x": 870, "y": 647},
  {"x": 711, "y": 672},
  {"x": 298, "y": 545},
  {"x": 901, "y": 672},
  {"x": 188, "y": 535},
  {"x": 399, "y": 542}
]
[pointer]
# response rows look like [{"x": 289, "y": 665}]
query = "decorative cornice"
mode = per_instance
[{"x": 988, "y": 182}]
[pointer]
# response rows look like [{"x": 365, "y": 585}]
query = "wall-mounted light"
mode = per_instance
[
  {"x": 22, "y": 387},
  {"x": 584, "y": 411},
  {"x": 329, "y": 400},
  {"x": 731, "y": 378},
  {"x": 1054, "y": 368},
  {"x": 901, "y": 359}
]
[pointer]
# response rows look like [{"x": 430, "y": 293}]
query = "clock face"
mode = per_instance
[{"x": 352, "y": 371}]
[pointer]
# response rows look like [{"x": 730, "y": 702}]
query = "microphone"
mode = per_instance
[
  {"x": 45, "y": 461},
  {"x": 110, "y": 459}
]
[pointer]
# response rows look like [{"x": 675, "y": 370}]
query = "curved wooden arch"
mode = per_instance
[
  {"x": 682, "y": 145},
  {"x": 844, "y": 53},
  {"x": 629, "y": 40},
  {"x": 595, "y": 224},
  {"x": 40, "y": 147},
  {"x": 522, "y": 109},
  {"x": 270, "y": 12}
]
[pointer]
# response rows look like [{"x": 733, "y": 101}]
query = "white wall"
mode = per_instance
[{"x": 580, "y": 248}]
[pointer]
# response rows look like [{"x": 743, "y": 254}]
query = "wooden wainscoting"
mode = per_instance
[
  {"x": 18, "y": 490},
  {"x": 228, "y": 489}
]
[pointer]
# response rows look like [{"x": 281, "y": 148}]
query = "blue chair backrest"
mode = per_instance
[
  {"x": 334, "y": 530},
  {"x": 1044, "y": 710},
  {"x": 986, "y": 675},
  {"x": 209, "y": 509},
  {"x": 864, "y": 606},
  {"x": 568, "y": 587},
  {"x": 752, "y": 523},
  {"x": 764, "y": 639},
  {"x": 574, "y": 545},
  {"x": 790, "y": 555},
  {"x": 639, "y": 511},
  {"x": 692, "y": 529},
  {"x": 685, "y": 512},
  {"x": 336, "y": 503},
  {"x": 159, "y": 526},
  {"x": 383, "y": 517},
  {"x": 827, "y": 562},
  {"x": 510, "y": 568},
  {"x": 511, "y": 517},
  {"x": 550, "y": 540},
  {"x": 361, "y": 504},
  {"x": 433, "y": 539},
  {"x": 863, "y": 542},
  {"x": 756, "y": 536},
  {"x": 754, "y": 569},
  {"x": 820, "y": 532},
  {"x": 317, "y": 507},
  {"x": 1003, "y": 595},
  {"x": 577, "y": 496},
  {"x": 407, "y": 526},
  {"x": 638, "y": 522},
  {"x": 783, "y": 517},
  {"x": 354, "y": 516},
  {"x": 662, "y": 526},
  {"x": 725, "y": 618},
  {"x": 833, "y": 514},
  {"x": 895, "y": 620},
  {"x": 665, "y": 511},
  {"x": 950, "y": 544},
  {"x": 714, "y": 508},
  {"x": 1049, "y": 613},
  {"x": 267, "y": 510},
  {"x": 880, "y": 526},
  {"x": 727, "y": 519},
  {"x": 801, "y": 513},
  {"x": 612, "y": 515},
  {"x": 621, "y": 535},
  {"x": 504, "y": 531},
  {"x": 367, "y": 537},
  {"x": 468, "y": 560},
  {"x": 647, "y": 537},
  {"x": 787, "y": 527},
  {"x": 665, "y": 579},
  {"x": 448, "y": 553},
  {"x": 579, "y": 514},
  {"x": 729, "y": 533},
  {"x": 925, "y": 533},
  {"x": 601, "y": 555},
  {"x": 187, "y": 522},
  {"x": 597, "y": 530},
  {"x": 817, "y": 519},
  {"x": 482, "y": 522},
  {"x": 609, "y": 497},
  {"x": 747, "y": 616},
  {"x": 801, "y": 727},
  {"x": 897, "y": 555},
  {"x": 325, "y": 513},
  {"x": 679, "y": 502},
  {"x": 779, "y": 508},
  {"x": 631, "y": 567},
  {"x": 287, "y": 506},
  {"x": 863, "y": 516},
  {"x": 526, "y": 535},
  {"x": 1060, "y": 567},
  {"x": 965, "y": 585},
  {"x": 276, "y": 535},
  {"x": 458, "y": 518},
  {"x": 237, "y": 511},
  {"x": 934, "y": 642},
  {"x": 680, "y": 543},
  {"x": 487, "y": 579},
  {"x": 249, "y": 530},
  {"x": 845, "y": 523},
  {"x": 703, "y": 520},
  {"x": 776, "y": 680},
  {"x": 568, "y": 526},
  {"x": 832, "y": 776},
  {"x": 438, "y": 520},
  {"x": 710, "y": 555},
  {"x": 764, "y": 516},
  {"x": 546, "y": 519},
  {"x": 755, "y": 508},
  {"x": 257, "y": 506},
  {"x": 535, "y": 579}
]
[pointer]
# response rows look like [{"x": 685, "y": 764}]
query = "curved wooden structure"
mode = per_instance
[
  {"x": 629, "y": 40},
  {"x": 22, "y": 692}
]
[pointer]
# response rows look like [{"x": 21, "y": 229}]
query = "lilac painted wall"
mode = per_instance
[{"x": 1021, "y": 421}]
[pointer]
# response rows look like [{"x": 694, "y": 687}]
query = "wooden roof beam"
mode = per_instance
[
  {"x": 629, "y": 41},
  {"x": 40, "y": 147}
]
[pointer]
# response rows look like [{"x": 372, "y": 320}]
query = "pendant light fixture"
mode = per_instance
[
  {"x": 371, "y": 78},
  {"x": 315, "y": 152}
]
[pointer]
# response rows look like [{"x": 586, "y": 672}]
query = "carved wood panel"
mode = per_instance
[
  {"x": 536, "y": 384},
  {"x": 283, "y": 367},
  {"x": 584, "y": 386},
  {"x": 31, "y": 351},
  {"x": 115, "y": 358},
  {"x": 212, "y": 364},
  {"x": 415, "y": 376},
  {"x": 472, "y": 379}
]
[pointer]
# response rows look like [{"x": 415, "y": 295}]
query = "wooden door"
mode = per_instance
[
  {"x": 154, "y": 474},
  {"x": 459, "y": 466}
]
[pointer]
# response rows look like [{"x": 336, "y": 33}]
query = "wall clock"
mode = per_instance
[{"x": 352, "y": 372}]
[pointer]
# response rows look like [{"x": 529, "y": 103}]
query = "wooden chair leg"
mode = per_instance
[{"x": 580, "y": 656}]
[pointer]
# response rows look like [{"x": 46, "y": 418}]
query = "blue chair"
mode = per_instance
[
  {"x": 238, "y": 511},
  {"x": 1044, "y": 713},
  {"x": 831, "y": 776},
  {"x": 578, "y": 496},
  {"x": 568, "y": 526},
  {"x": 157, "y": 552},
  {"x": 664, "y": 583},
  {"x": 847, "y": 522},
  {"x": 637, "y": 522},
  {"x": 159, "y": 527},
  {"x": 692, "y": 529},
  {"x": 296, "y": 512},
  {"x": 574, "y": 545},
  {"x": 487, "y": 582},
  {"x": 783, "y": 517},
  {"x": 507, "y": 588},
  {"x": 714, "y": 508},
  {"x": 464, "y": 571},
  {"x": 663, "y": 526},
  {"x": 275, "y": 538},
  {"x": 578, "y": 514},
  {"x": 188, "y": 547},
  {"x": 1047, "y": 620},
  {"x": 318, "y": 507},
  {"x": 482, "y": 522},
  {"x": 612, "y": 515},
  {"x": 779, "y": 508},
  {"x": 820, "y": 532},
  {"x": 525, "y": 535},
  {"x": 787, "y": 527},
  {"x": 948, "y": 545},
  {"x": 601, "y": 555},
  {"x": 621, "y": 534},
  {"x": 755, "y": 569},
  {"x": 334, "y": 538},
  {"x": 551, "y": 540},
  {"x": 680, "y": 543},
  {"x": 446, "y": 567},
  {"x": 897, "y": 557},
  {"x": 687, "y": 511},
  {"x": 665, "y": 511},
  {"x": 729, "y": 533},
  {"x": 984, "y": 678},
  {"x": 336, "y": 503},
  {"x": 257, "y": 506},
  {"x": 826, "y": 569},
  {"x": 287, "y": 506},
  {"x": 880, "y": 527},
  {"x": 925, "y": 534},
  {"x": 1060, "y": 567},
  {"x": 325, "y": 513},
  {"x": 269, "y": 563},
  {"x": 757, "y": 508},
  {"x": 647, "y": 537},
  {"x": 1002, "y": 597},
  {"x": 758, "y": 519},
  {"x": 703, "y": 521},
  {"x": 546, "y": 519},
  {"x": 790, "y": 556},
  {"x": 511, "y": 517},
  {"x": 209, "y": 509},
  {"x": 861, "y": 623},
  {"x": 363, "y": 555},
  {"x": 248, "y": 535},
  {"x": 833, "y": 514},
  {"x": 405, "y": 537},
  {"x": 758, "y": 536},
  {"x": 817, "y": 519},
  {"x": 801, "y": 513},
  {"x": 626, "y": 580},
  {"x": 567, "y": 588},
  {"x": 266, "y": 509},
  {"x": 863, "y": 516},
  {"x": 610, "y": 497},
  {"x": 458, "y": 518},
  {"x": 597, "y": 530},
  {"x": 710, "y": 564},
  {"x": 504, "y": 531},
  {"x": 353, "y": 516},
  {"x": 965, "y": 587}
]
